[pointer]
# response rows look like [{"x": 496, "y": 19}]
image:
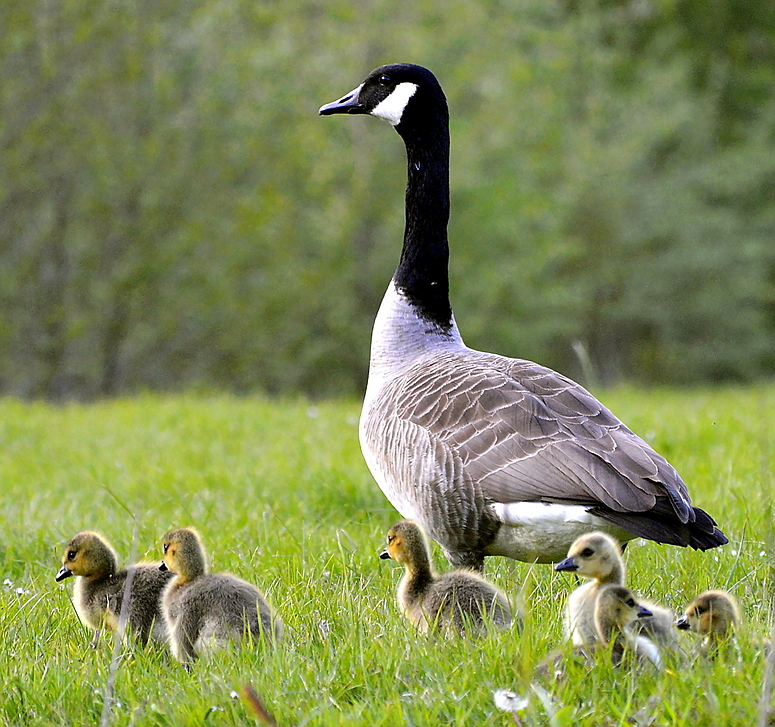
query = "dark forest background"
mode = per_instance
[{"x": 175, "y": 215}]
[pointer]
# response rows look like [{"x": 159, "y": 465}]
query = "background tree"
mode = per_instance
[{"x": 173, "y": 213}]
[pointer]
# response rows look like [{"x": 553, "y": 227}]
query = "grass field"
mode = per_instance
[{"x": 282, "y": 497}]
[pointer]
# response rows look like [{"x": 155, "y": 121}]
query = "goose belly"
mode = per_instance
[
  {"x": 385, "y": 469},
  {"x": 542, "y": 532}
]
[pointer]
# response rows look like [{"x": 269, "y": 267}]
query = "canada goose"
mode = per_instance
[
  {"x": 458, "y": 602},
  {"x": 714, "y": 614},
  {"x": 492, "y": 455},
  {"x": 616, "y": 611},
  {"x": 599, "y": 557},
  {"x": 99, "y": 587},
  {"x": 205, "y": 610}
]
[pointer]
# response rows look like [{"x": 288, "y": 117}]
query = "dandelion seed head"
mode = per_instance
[{"x": 508, "y": 701}]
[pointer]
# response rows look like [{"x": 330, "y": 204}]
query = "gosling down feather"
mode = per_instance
[
  {"x": 617, "y": 611},
  {"x": 713, "y": 614},
  {"x": 460, "y": 602},
  {"x": 598, "y": 556},
  {"x": 100, "y": 588},
  {"x": 207, "y": 611},
  {"x": 492, "y": 455}
]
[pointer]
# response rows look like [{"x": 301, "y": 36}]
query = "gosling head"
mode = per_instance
[
  {"x": 87, "y": 554},
  {"x": 184, "y": 554},
  {"x": 711, "y": 613},
  {"x": 407, "y": 544},
  {"x": 618, "y": 607},
  {"x": 594, "y": 555}
]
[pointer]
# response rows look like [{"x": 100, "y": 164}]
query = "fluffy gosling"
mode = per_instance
[
  {"x": 99, "y": 588},
  {"x": 598, "y": 556},
  {"x": 714, "y": 615},
  {"x": 611, "y": 620},
  {"x": 616, "y": 610},
  {"x": 459, "y": 602},
  {"x": 205, "y": 611}
]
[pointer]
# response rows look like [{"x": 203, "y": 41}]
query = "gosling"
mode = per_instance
[
  {"x": 616, "y": 611},
  {"x": 457, "y": 603},
  {"x": 206, "y": 611},
  {"x": 598, "y": 556},
  {"x": 611, "y": 620},
  {"x": 99, "y": 589},
  {"x": 714, "y": 615}
]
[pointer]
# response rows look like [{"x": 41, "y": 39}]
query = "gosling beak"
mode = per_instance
[
  {"x": 63, "y": 573},
  {"x": 384, "y": 555},
  {"x": 346, "y": 105},
  {"x": 682, "y": 623},
  {"x": 644, "y": 612},
  {"x": 163, "y": 566},
  {"x": 566, "y": 565}
]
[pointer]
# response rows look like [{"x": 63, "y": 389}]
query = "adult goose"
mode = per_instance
[{"x": 491, "y": 455}]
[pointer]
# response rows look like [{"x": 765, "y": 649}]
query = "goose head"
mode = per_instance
[
  {"x": 87, "y": 554},
  {"x": 594, "y": 555},
  {"x": 712, "y": 612},
  {"x": 407, "y": 544},
  {"x": 184, "y": 554},
  {"x": 406, "y": 96}
]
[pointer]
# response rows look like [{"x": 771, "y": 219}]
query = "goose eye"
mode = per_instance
[
  {"x": 587, "y": 553},
  {"x": 384, "y": 80},
  {"x": 71, "y": 555}
]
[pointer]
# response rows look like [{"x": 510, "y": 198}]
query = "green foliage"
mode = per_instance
[
  {"x": 282, "y": 497},
  {"x": 174, "y": 214}
]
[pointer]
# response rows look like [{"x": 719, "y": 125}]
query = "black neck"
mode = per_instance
[{"x": 422, "y": 273}]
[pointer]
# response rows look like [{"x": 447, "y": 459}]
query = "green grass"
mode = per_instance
[{"x": 282, "y": 497}]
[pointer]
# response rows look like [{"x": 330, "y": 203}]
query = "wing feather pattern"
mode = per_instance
[{"x": 509, "y": 430}]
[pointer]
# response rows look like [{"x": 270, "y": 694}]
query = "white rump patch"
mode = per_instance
[
  {"x": 392, "y": 108},
  {"x": 537, "y": 513},
  {"x": 542, "y": 531}
]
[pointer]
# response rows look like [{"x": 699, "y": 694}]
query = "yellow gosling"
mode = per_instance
[
  {"x": 206, "y": 611},
  {"x": 598, "y": 556},
  {"x": 460, "y": 602},
  {"x": 99, "y": 589},
  {"x": 713, "y": 614},
  {"x": 616, "y": 611}
]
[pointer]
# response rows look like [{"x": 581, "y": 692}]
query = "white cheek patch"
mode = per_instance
[{"x": 392, "y": 108}]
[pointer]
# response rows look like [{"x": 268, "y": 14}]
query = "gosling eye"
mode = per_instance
[
  {"x": 631, "y": 603},
  {"x": 391, "y": 538},
  {"x": 587, "y": 553},
  {"x": 71, "y": 554},
  {"x": 166, "y": 547}
]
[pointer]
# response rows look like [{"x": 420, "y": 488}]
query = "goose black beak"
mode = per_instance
[
  {"x": 384, "y": 555},
  {"x": 682, "y": 623},
  {"x": 644, "y": 612},
  {"x": 163, "y": 566},
  {"x": 346, "y": 105},
  {"x": 566, "y": 565},
  {"x": 63, "y": 573}
]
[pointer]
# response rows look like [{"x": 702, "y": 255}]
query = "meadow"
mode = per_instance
[{"x": 283, "y": 498}]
